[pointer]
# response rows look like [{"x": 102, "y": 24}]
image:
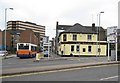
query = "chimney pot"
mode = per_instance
[{"x": 93, "y": 25}]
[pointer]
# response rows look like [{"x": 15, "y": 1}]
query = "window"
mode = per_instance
[
  {"x": 74, "y": 37},
  {"x": 22, "y": 47},
  {"x": 72, "y": 48},
  {"x": 77, "y": 48},
  {"x": 13, "y": 25},
  {"x": 33, "y": 48},
  {"x": 89, "y": 48},
  {"x": 64, "y": 37},
  {"x": 89, "y": 37},
  {"x": 83, "y": 49}
]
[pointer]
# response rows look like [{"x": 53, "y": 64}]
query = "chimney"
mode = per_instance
[
  {"x": 93, "y": 24},
  {"x": 93, "y": 27}
]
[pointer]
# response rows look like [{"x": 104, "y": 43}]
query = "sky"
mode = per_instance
[{"x": 66, "y": 12}]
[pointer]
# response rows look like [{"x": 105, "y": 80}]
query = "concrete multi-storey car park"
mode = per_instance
[
  {"x": 21, "y": 26},
  {"x": 81, "y": 40}
]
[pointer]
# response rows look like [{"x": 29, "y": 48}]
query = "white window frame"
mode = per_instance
[
  {"x": 77, "y": 48},
  {"x": 90, "y": 49},
  {"x": 74, "y": 37},
  {"x": 89, "y": 37}
]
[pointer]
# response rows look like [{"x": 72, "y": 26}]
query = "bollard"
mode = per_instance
[{"x": 38, "y": 56}]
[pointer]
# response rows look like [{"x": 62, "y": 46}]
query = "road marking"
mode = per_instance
[
  {"x": 109, "y": 78},
  {"x": 53, "y": 71}
]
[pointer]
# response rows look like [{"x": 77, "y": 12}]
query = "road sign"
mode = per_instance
[
  {"x": 112, "y": 38},
  {"x": 111, "y": 33}
]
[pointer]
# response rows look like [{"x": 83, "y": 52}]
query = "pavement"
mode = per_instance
[{"x": 55, "y": 67}]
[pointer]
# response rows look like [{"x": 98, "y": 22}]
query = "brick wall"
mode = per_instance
[{"x": 28, "y": 36}]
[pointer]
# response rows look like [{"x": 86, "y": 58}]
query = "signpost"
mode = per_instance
[
  {"x": 47, "y": 44},
  {"x": 112, "y": 38},
  {"x": 116, "y": 45}
]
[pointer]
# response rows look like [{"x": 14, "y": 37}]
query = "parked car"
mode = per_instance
[{"x": 3, "y": 53}]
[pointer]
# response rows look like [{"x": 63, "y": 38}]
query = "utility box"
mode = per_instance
[{"x": 113, "y": 55}]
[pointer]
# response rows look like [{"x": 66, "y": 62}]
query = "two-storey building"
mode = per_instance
[{"x": 79, "y": 40}]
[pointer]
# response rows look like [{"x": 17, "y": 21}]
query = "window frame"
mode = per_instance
[
  {"x": 74, "y": 37},
  {"x": 99, "y": 49},
  {"x": 64, "y": 37},
  {"x": 89, "y": 48},
  {"x": 84, "y": 50},
  {"x": 89, "y": 37},
  {"x": 78, "y": 48},
  {"x": 72, "y": 48}
]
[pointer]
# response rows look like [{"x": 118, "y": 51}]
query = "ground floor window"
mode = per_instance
[
  {"x": 89, "y": 48},
  {"x": 72, "y": 48},
  {"x": 99, "y": 50},
  {"x": 77, "y": 48},
  {"x": 83, "y": 49}
]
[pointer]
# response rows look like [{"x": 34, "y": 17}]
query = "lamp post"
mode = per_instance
[
  {"x": 116, "y": 45},
  {"x": 98, "y": 30},
  {"x": 6, "y": 25}
]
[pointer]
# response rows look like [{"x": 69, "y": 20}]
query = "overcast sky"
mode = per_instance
[{"x": 66, "y": 12}]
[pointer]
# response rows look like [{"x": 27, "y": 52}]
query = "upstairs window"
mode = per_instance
[
  {"x": 74, "y": 37},
  {"x": 64, "y": 37},
  {"x": 89, "y": 37}
]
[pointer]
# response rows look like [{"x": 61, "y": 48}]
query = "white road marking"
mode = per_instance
[{"x": 109, "y": 78}]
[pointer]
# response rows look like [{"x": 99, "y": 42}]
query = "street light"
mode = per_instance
[
  {"x": 6, "y": 25},
  {"x": 98, "y": 31}
]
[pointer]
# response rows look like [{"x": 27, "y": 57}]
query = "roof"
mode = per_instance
[
  {"x": 64, "y": 27},
  {"x": 95, "y": 28},
  {"x": 78, "y": 28}
]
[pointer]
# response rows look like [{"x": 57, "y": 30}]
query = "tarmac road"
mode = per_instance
[
  {"x": 97, "y": 73},
  {"x": 15, "y": 62}
]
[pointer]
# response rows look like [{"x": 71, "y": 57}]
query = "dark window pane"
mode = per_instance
[
  {"x": 83, "y": 49},
  {"x": 75, "y": 37},
  {"x": 64, "y": 37},
  {"x": 89, "y": 37},
  {"x": 77, "y": 48},
  {"x": 89, "y": 48},
  {"x": 72, "y": 48},
  {"x": 99, "y": 50}
]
